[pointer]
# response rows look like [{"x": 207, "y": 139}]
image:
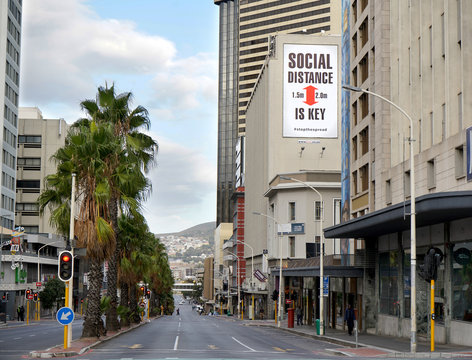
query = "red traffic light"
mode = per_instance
[
  {"x": 142, "y": 288},
  {"x": 28, "y": 292},
  {"x": 65, "y": 258}
]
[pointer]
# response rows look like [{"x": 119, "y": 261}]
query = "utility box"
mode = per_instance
[{"x": 290, "y": 318}]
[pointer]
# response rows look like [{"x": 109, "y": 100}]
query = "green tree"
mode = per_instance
[
  {"x": 128, "y": 184},
  {"x": 53, "y": 292}
]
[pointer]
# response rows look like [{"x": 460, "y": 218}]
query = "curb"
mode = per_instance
[{"x": 48, "y": 355}]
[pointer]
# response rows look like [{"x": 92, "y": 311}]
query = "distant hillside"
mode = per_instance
[{"x": 205, "y": 230}]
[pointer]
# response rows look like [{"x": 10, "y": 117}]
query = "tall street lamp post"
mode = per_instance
[
  {"x": 412, "y": 213},
  {"x": 238, "y": 281},
  {"x": 252, "y": 271},
  {"x": 321, "y": 248},
  {"x": 279, "y": 313}
]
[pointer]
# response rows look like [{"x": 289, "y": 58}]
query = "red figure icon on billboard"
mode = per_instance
[{"x": 310, "y": 95}]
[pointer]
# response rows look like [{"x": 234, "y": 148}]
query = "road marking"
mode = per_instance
[
  {"x": 239, "y": 342},
  {"x": 213, "y": 347},
  {"x": 33, "y": 335},
  {"x": 176, "y": 342},
  {"x": 136, "y": 346},
  {"x": 179, "y": 325},
  {"x": 278, "y": 349},
  {"x": 17, "y": 338}
]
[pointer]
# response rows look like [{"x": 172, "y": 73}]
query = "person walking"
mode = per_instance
[
  {"x": 298, "y": 312},
  {"x": 22, "y": 313},
  {"x": 349, "y": 318},
  {"x": 18, "y": 311}
]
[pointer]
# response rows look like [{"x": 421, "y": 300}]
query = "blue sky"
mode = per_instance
[{"x": 165, "y": 53}]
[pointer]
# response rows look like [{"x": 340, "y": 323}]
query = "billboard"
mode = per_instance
[{"x": 310, "y": 94}]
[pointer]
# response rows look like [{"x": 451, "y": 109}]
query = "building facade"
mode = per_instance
[
  {"x": 416, "y": 55},
  {"x": 10, "y": 37}
]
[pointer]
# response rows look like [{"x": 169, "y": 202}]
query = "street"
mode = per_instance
[
  {"x": 190, "y": 335},
  {"x": 17, "y": 341}
]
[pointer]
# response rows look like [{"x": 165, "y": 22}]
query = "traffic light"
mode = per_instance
[
  {"x": 429, "y": 270},
  {"x": 27, "y": 294},
  {"x": 65, "y": 270},
  {"x": 5, "y": 297},
  {"x": 142, "y": 290},
  {"x": 275, "y": 295},
  {"x": 35, "y": 297},
  {"x": 148, "y": 294}
]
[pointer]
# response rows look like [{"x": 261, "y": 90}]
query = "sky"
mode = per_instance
[{"x": 163, "y": 51}]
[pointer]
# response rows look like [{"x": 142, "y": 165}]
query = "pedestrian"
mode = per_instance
[
  {"x": 22, "y": 313},
  {"x": 298, "y": 312},
  {"x": 18, "y": 312},
  {"x": 261, "y": 313},
  {"x": 349, "y": 318}
]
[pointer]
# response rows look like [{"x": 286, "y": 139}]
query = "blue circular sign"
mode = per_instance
[{"x": 65, "y": 316}]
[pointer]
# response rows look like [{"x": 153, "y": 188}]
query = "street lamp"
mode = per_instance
[
  {"x": 252, "y": 271},
  {"x": 412, "y": 213},
  {"x": 321, "y": 249},
  {"x": 39, "y": 273},
  {"x": 237, "y": 281},
  {"x": 279, "y": 317}
]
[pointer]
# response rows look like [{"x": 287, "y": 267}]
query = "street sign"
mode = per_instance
[
  {"x": 65, "y": 316},
  {"x": 38, "y": 284},
  {"x": 29, "y": 297},
  {"x": 325, "y": 285}
]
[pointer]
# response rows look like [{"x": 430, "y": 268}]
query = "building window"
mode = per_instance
[
  {"x": 406, "y": 184},
  {"x": 31, "y": 229},
  {"x": 27, "y": 184},
  {"x": 388, "y": 192},
  {"x": 431, "y": 174},
  {"x": 354, "y": 183},
  {"x": 364, "y": 175},
  {"x": 461, "y": 280},
  {"x": 364, "y": 140},
  {"x": 292, "y": 245},
  {"x": 29, "y": 139},
  {"x": 388, "y": 276},
  {"x": 354, "y": 148},
  {"x": 459, "y": 162},
  {"x": 291, "y": 211},
  {"x": 319, "y": 210},
  {"x": 29, "y": 163}
]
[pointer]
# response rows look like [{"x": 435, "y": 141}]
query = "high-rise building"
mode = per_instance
[
  {"x": 227, "y": 108},
  {"x": 10, "y": 36},
  {"x": 415, "y": 54},
  {"x": 246, "y": 27}
]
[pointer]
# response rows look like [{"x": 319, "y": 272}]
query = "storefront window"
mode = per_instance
[
  {"x": 462, "y": 281},
  {"x": 388, "y": 271}
]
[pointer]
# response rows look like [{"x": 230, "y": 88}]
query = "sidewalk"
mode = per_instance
[
  {"x": 370, "y": 345},
  {"x": 82, "y": 345}
]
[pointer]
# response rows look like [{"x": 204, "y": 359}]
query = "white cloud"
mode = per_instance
[
  {"x": 184, "y": 181},
  {"x": 68, "y": 51}
]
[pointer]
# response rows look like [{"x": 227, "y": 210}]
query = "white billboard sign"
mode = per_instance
[{"x": 310, "y": 94}]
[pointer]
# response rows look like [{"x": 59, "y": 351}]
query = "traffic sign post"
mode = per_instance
[{"x": 65, "y": 316}]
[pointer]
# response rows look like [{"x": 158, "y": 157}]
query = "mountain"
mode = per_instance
[{"x": 204, "y": 230}]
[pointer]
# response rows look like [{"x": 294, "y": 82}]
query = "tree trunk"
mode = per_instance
[
  {"x": 93, "y": 325},
  {"x": 112, "y": 275},
  {"x": 133, "y": 304},
  {"x": 124, "y": 301}
]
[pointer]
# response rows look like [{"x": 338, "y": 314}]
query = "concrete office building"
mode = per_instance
[
  {"x": 10, "y": 37},
  {"x": 416, "y": 54},
  {"x": 38, "y": 140},
  {"x": 281, "y": 143},
  {"x": 245, "y": 30}
]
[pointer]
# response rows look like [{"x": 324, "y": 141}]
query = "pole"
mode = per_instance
[
  {"x": 66, "y": 327},
  {"x": 253, "y": 309},
  {"x": 148, "y": 303},
  {"x": 71, "y": 238},
  {"x": 280, "y": 283},
  {"x": 27, "y": 312},
  {"x": 412, "y": 213},
  {"x": 275, "y": 311},
  {"x": 432, "y": 315}
]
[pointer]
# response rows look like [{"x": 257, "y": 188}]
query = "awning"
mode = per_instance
[
  {"x": 332, "y": 271},
  {"x": 430, "y": 209}
]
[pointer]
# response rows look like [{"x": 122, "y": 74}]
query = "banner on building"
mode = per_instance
[{"x": 310, "y": 92}]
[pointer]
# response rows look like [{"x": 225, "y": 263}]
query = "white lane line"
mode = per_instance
[
  {"x": 176, "y": 342},
  {"x": 33, "y": 335},
  {"x": 179, "y": 325},
  {"x": 239, "y": 342},
  {"x": 17, "y": 338}
]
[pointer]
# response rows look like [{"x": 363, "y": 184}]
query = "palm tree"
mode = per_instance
[
  {"x": 86, "y": 153},
  {"x": 128, "y": 183}
]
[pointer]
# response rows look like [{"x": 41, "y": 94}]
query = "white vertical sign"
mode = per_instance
[{"x": 310, "y": 94}]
